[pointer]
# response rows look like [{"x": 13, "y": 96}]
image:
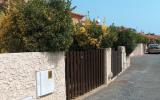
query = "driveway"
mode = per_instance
[{"x": 140, "y": 82}]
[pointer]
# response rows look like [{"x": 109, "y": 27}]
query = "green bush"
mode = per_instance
[
  {"x": 36, "y": 26},
  {"x": 158, "y": 40},
  {"x": 110, "y": 38},
  {"x": 120, "y": 36},
  {"x": 141, "y": 39},
  {"x": 127, "y": 38},
  {"x": 87, "y": 36}
]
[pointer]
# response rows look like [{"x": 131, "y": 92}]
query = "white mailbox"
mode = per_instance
[{"x": 45, "y": 82}]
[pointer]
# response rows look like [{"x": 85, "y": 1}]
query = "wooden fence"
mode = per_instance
[
  {"x": 116, "y": 62},
  {"x": 84, "y": 72}
]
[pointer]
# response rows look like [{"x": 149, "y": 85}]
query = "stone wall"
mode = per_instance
[{"x": 18, "y": 75}]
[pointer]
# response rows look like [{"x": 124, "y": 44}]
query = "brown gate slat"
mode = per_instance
[
  {"x": 87, "y": 74},
  {"x": 97, "y": 69},
  {"x": 84, "y": 71},
  {"x": 94, "y": 73},
  {"x": 78, "y": 72},
  {"x": 72, "y": 70},
  {"x": 67, "y": 76},
  {"x": 75, "y": 75},
  {"x": 115, "y": 63},
  {"x": 101, "y": 68}
]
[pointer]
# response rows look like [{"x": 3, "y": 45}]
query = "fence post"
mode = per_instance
[
  {"x": 142, "y": 49},
  {"x": 122, "y": 58},
  {"x": 107, "y": 65},
  {"x": 128, "y": 61}
]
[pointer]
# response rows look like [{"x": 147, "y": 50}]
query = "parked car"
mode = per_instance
[{"x": 153, "y": 48}]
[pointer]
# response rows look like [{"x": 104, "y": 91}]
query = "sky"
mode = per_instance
[{"x": 143, "y": 15}]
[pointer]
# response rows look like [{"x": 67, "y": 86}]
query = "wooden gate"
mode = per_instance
[
  {"x": 116, "y": 62},
  {"x": 84, "y": 72}
]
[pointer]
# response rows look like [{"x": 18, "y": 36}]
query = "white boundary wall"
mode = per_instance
[
  {"x": 139, "y": 50},
  {"x": 18, "y": 75}
]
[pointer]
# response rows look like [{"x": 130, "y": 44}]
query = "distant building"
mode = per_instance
[
  {"x": 151, "y": 37},
  {"x": 77, "y": 18},
  {"x": 1, "y": 2}
]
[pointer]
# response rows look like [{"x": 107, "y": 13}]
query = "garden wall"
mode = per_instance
[
  {"x": 121, "y": 61},
  {"x": 139, "y": 50},
  {"x": 18, "y": 75}
]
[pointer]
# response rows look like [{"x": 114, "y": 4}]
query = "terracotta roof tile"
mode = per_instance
[{"x": 76, "y": 15}]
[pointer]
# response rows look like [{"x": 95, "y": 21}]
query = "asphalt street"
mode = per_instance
[{"x": 140, "y": 82}]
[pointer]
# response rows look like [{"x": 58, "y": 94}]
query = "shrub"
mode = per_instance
[
  {"x": 88, "y": 36},
  {"x": 120, "y": 36},
  {"x": 109, "y": 39},
  {"x": 127, "y": 38},
  {"x": 141, "y": 39},
  {"x": 158, "y": 40},
  {"x": 37, "y": 25}
]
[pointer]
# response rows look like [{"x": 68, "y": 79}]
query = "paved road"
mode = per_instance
[{"x": 140, "y": 82}]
